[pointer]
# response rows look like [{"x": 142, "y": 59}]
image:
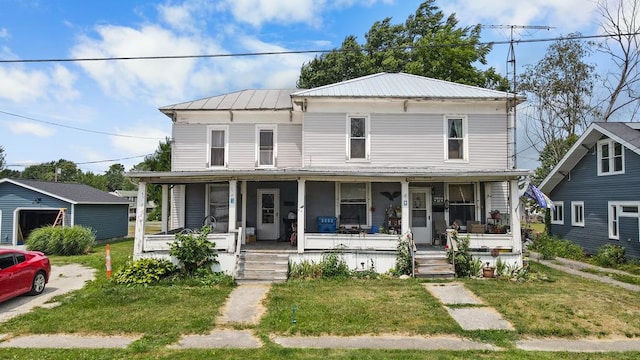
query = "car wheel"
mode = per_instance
[{"x": 38, "y": 284}]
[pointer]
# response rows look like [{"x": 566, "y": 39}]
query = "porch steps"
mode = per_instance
[
  {"x": 433, "y": 265},
  {"x": 262, "y": 266}
]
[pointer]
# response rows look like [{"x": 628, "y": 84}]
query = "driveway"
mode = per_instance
[{"x": 63, "y": 279}]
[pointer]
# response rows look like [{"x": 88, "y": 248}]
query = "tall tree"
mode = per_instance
[
  {"x": 115, "y": 179},
  {"x": 426, "y": 44},
  {"x": 621, "y": 21},
  {"x": 559, "y": 87},
  {"x": 61, "y": 170},
  {"x": 160, "y": 160}
]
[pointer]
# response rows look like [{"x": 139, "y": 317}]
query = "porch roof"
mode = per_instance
[{"x": 387, "y": 173}]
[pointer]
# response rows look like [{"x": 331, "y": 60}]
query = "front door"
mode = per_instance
[
  {"x": 268, "y": 225},
  {"x": 420, "y": 215}
]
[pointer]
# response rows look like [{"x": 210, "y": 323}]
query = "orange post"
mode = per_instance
[{"x": 108, "y": 260}]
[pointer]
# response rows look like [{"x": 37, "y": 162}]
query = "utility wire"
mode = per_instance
[
  {"x": 317, "y": 51},
  {"x": 79, "y": 129}
]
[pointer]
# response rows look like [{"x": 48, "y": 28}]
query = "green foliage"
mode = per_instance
[
  {"x": 194, "y": 251},
  {"x": 414, "y": 47},
  {"x": 500, "y": 266},
  {"x": 461, "y": 258},
  {"x": 160, "y": 160},
  {"x": 403, "y": 257},
  {"x": 475, "y": 268},
  {"x": 58, "y": 240},
  {"x": 550, "y": 246},
  {"x": 204, "y": 277},
  {"x": 610, "y": 256},
  {"x": 334, "y": 266},
  {"x": 144, "y": 272}
]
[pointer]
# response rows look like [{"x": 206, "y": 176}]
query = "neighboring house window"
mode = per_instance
[
  {"x": 577, "y": 213},
  {"x": 610, "y": 158},
  {"x": 557, "y": 214},
  {"x": 218, "y": 146},
  {"x": 358, "y": 137},
  {"x": 266, "y": 146},
  {"x": 462, "y": 203},
  {"x": 353, "y": 203},
  {"x": 618, "y": 209},
  {"x": 456, "y": 132}
]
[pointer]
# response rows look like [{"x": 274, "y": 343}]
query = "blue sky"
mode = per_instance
[{"x": 122, "y": 97}]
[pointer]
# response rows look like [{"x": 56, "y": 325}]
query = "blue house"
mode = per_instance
[
  {"x": 26, "y": 205},
  {"x": 596, "y": 189}
]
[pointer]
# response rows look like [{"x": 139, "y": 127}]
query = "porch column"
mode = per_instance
[
  {"x": 404, "y": 188},
  {"x": 233, "y": 209},
  {"x": 165, "y": 208},
  {"x": 243, "y": 193},
  {"x": 141, "y": 213},
  {"x": 515, "y": 218},
  {"x": 300, "y": 221}
]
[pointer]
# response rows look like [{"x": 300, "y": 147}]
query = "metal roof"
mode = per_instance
[
  {"x": 239, "y": 100},
  {"x": 69, "y": 192},
  {"x": 402, "y": 85},
  {"x": 627, "y": 134}
]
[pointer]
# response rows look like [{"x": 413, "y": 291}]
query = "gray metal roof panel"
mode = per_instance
[
  {"x": 401, "y": 85},
  {"x": 74, "y": 193},
  {"x": 250, "y": 99}
]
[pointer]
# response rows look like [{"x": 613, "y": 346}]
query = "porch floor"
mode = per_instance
[{"x": 270, "y": 245}]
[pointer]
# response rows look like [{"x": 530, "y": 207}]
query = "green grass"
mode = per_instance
[{"x": 625, "y": 278}]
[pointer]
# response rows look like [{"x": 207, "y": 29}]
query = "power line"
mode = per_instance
[
  {"x": 317, "y": 51},
  {"x": 79, "y": 129}
]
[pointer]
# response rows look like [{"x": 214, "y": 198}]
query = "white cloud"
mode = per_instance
[
  {"x": 4, "y": 33},
  {"x": 136, "y": 146},
  {"x": 29, "y": 128},
  {"x": 566, "y": 16},
  {"x": 17, "y": 84},
  {"x": 258, "y": 12},
  {"x": 188, "y": 16},
  {"x": 64, "y": 81}
]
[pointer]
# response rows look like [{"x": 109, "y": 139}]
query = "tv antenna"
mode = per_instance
[{"x": 511, "y": 60}]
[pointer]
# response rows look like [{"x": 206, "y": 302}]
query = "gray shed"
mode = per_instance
[{"x": 29, "y": 204}]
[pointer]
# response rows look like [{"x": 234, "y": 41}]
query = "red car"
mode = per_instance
[{"x": 22, "y": 272}]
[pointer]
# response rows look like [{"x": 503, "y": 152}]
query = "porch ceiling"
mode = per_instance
[{"x": 380, "y": 174}]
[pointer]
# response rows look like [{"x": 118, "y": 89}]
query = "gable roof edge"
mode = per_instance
[{"x": 17, "y": 183}]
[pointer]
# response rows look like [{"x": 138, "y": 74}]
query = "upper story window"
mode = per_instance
[
  {"x": 218, "y": 144},
  {"x": 358, "y": 137},
  {"x": 577, "y": 213},
  {"x": 353, "y": 203},
  {"x": 456, "y": 132},
  {"x": 557, "y": 214},
  {"x": 610, "y": 157},
  {"x": 266, "y": 146}
]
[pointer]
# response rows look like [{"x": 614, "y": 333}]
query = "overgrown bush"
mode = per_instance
[
  {"x": 551, "y": 246},
  {"x": 205, "y": 277},
  {"x": 610, "y": 256},
  {"x": 464, "y": 263},
  {"x": 58, "y": 240},
  {"x": 403, "y": 257},
  {"x": 331, "y": 266},
  {"x": 194, "y": 251},
  {"x": 144, "y": 272}
]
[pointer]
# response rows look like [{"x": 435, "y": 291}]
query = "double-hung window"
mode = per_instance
[
  {"x": 456, "y": 138},
  {"x": 353, "y": 203},
  {"x": 577, "y": 213},
  {"x": 218, "y": 144},
  {"x": 610, "y": 157},
  {"x": 462, "y": 203},
  {"x": 557, "y": 214},
  {"x": 266, "y": 146},
  {"x": 357, "y": 137},
  {"x": 619, "y": 210}
]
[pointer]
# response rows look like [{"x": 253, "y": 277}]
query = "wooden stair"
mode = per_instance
[
  {"x": 433, "y": 265},
  {"x": 262, "y": 266}
]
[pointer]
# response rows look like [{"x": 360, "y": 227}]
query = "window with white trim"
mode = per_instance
[
  {"x": 618, "y": 209},
  {"x": 266, "y": 146},
  {"x": 610, "y": 157},
  {"x": 354, "y": 202},
  {"x": 577, "y": 213},
  {"x": 462, "y": 203},
  {"x": 456, "y": 134},
  {"x": 557, "y": 214},
  {"x": 218, "y": 145},
  {"x": 357, "y": 137}
]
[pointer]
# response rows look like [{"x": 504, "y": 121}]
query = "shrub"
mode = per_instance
[
  {"x": 403, "y": 257},
  {"x": 552, "y": 246},
  {"x": 305, "y": 270},
  {"x": 194, "y": 251},
  {"x": 58, "y": 240},
  {"x": 610, "y": 255},
  {"x": 464, "y": 263},
  {"x": 144, "y": 272},
  {"x": 334, "y": 266}
]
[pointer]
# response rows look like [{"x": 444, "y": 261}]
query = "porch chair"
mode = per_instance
[{"x": 440, "y": 227}]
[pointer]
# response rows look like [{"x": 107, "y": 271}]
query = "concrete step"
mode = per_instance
[{"x": 262, "y": 267}]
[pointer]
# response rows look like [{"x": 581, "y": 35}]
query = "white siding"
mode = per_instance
[
  {"x": 289, "y": 146},
  {"x": 488, "y": 141},
  {"x": 242, "y": 148},
  {"x": 189, "y": 147},
  {"x": 324, "y": 139}
]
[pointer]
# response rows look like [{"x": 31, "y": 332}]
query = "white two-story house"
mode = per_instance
[{"x": 346, "y": 166}]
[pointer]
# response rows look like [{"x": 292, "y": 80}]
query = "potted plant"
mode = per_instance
[
  {"x": 495, "y": 214},
  {"x": 488, "y": 271}
]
